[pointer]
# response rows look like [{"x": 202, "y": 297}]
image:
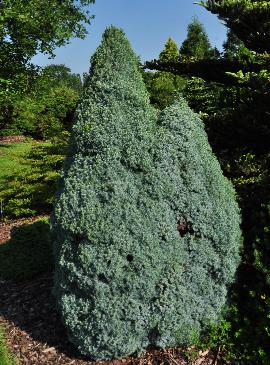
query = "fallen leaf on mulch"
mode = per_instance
[{"x": 11, "y": 139}]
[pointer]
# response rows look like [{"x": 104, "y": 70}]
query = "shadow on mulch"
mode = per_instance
[
  {"x": 29, "y": 308},
  {"x": 37, "y": 337}
]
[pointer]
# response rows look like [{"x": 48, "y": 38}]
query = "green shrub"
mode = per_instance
[
  {"x": 251, "y": 318},
  {"x": 11, "y": 155},
  {"x": 146, "y": 228},
  {"x": 30, "y": 190},
  {"x": 28, "y": 252},
  {"x": 163, "y": 87},
  {"x": 5, "y": 357},
  {"x": 39, "y": 103},
  {"x": 43, "y": 116},
  {"x": 248, "y": 318}
]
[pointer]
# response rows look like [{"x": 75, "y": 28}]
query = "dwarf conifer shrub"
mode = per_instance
[
  {"x": 146, "y": 228},
  {"x": 202, "y": 201}
]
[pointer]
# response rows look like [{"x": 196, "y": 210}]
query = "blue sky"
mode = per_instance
[{"x": 147, "y": 23}]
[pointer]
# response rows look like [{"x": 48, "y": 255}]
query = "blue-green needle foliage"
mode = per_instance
[{"x": 146, "y": 228}]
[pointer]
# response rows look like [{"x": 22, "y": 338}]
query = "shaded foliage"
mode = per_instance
[
  {"x": 233, "y": 47},
  {"x": 249, "y": 20},
  {"x": 28, "y": 253}
]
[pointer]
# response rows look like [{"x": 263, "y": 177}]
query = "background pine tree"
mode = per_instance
[
  {"x": 170, "y": 52},
  {"x": 164, "y": 86},
  {"x": 197, "y": 45}
]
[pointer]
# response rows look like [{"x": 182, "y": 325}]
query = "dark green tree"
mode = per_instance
[
  {"x": 146, "y": 228},
  {"x": 234, "y": 49},
  {"x": 196, "y": 46},
  {"x": 231, "y": 46},
  {"x": 164, "y": 86},
  {"x": 248, "y": 20}
]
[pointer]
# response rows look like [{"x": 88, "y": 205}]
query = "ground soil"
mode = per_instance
[
  {"x": 11, "y": 139},
  {"x": 36, "y": 336}
]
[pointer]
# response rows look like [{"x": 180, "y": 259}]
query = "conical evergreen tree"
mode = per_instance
[
  {"x": 170, "y": 52},
  {"x": 164, "y": 86},
  {"x": 234, "y": 49},
  {"x": 197, "y": 45},
  {"x": 146, "y": 228},
  {"x": 190, "y": 181},
  {"x": 102, "y": 222},
  {"x": 231, "y": 46}
]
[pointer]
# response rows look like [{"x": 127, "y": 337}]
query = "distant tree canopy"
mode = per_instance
[
  {"x": 28, "y": 27},
  {"x": 61, "y": 75},
  {"x": 46, "y": 105},
  {"x": 249, "y": 32}
]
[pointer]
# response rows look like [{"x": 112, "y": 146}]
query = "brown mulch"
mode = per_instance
[
  {"x": 11, "y": 139},
  {"x": 36, "y": 336},
  {"x": 6, "y": 228}
]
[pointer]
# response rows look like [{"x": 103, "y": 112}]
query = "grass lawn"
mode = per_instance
[
  {"x": 28, "y": 178},
  {"x": 5, "y": 357},
  {"x": 10, "y": 154}
]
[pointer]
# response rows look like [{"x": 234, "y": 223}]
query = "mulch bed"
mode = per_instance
[
  {"x": 11, "y": 139},
  {"x": 36, "y": 336}
]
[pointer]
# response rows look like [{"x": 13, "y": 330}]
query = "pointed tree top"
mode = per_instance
[
  {"x": 115, "y": 65},
  {"x": 197, "y": 45},
  {"x": 170, "y": 52}
]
